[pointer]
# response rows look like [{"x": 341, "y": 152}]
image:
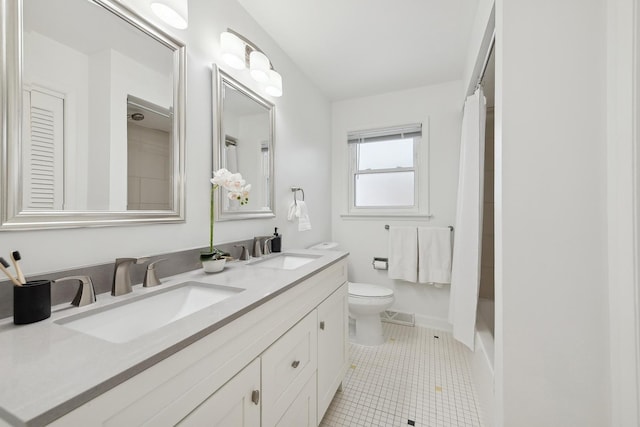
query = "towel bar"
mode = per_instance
[
  {"x": 386, "y": 226},
  {"x": 295, "y": 190}
]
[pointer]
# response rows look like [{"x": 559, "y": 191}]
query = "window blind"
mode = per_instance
[{"x": 373, "y": 135}]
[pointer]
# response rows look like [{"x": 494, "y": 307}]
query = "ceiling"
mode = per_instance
[
  {"x": 82, "y": 26},
  {"x": 355, "y": 48}
]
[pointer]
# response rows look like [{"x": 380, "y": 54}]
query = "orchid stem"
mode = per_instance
[{"x": 211, "y": 213}]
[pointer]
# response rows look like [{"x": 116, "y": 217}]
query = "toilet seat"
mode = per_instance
[{"x": 366, "y": 290}]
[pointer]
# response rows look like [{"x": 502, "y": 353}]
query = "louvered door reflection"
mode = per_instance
[{"x": 42, "y": 151}]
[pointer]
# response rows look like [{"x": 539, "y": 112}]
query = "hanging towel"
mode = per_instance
[
  {"x": 403, "y": 253},
  {"x": 303, "y": 216},
  {"x": 292, "y": 211},
  {"x": 298, "y": 209},
  {"x": 434, "y": 255}
]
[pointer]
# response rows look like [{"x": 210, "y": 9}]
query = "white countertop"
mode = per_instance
[{"x": 47, "y": 370}]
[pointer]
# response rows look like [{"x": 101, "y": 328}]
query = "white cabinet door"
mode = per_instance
[
  {"x": 302, "y": 412},
  {"x": 237, "y": 403},
  {"x": 333, "y": 346},
  {"x": 286, "y": 368}
]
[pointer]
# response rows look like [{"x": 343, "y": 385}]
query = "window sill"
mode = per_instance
[{"x": 384, "y": 215}]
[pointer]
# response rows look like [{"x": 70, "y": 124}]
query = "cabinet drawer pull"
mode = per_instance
[
  {"x": 322, "y": 325},
  {"x": 255, "y": 396},
  {"x": 295, "y": 364}
]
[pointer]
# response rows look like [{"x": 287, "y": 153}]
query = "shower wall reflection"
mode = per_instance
[{"x": 149, "y": 160}]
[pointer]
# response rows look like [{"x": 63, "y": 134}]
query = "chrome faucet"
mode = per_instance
[
  {"x": 86, "y": 292},
  {"x": 266, "y": 245},
  {"x": 150, "y": 277},
  {"x": 257, "y": 252},
  {"x": 244, "y": 254},
  {"x": 121, "y": 276}
]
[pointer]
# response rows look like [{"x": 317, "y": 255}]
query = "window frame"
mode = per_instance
[{"x": 420, "y": 168}]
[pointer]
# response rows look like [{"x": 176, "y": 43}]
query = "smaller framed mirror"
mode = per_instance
[{"x": 244, "y": 144}]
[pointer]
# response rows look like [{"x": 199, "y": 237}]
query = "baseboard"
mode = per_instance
[{"x": 433, "y": 323}]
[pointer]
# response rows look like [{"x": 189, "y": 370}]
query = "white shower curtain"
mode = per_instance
[{"x": 465, "y": 273}]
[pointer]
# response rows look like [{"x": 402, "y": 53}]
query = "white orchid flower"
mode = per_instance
[
  {"x": 245, "y": 190},
  {"x": 220, "y": 177},
  {"x": 237, "y": 190},
  {"x": 234, "y": 182}
]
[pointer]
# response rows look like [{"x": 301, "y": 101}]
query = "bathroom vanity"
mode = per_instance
[{"x": 272, "y": 351}]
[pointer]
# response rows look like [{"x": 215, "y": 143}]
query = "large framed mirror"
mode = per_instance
[
  {"x": 94, "y": 117},
  {"x": 244, "y": 144}
]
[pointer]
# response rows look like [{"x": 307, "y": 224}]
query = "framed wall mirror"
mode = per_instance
[
  {"x": 94, "y": 117},
  {"x": 244, "y": 144}
]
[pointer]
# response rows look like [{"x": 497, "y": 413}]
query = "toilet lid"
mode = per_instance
[{"x": 368, "y": 290}]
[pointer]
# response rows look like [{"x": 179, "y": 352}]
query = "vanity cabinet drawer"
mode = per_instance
[
  {"x": 302, "y": 412},
  {"x": 237, "y": 403},
  {"x": 286, "y": 368}
]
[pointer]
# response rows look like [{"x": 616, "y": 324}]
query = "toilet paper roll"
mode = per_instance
[{"x": 380, "y": 265}]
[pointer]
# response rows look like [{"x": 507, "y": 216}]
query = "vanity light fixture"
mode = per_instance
[
  {"x": 240, "y": 53},
  {"x": 172, "y": 12}
]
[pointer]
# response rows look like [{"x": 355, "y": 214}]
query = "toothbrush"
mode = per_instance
[
  {"x": 3, "y": 266},
  {"x": 15, "y": 257}
]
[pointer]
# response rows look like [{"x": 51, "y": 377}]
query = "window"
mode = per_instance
[{"x": 384, "y": 171}]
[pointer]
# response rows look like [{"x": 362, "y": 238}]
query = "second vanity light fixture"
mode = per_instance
[
  {"x": 240, "y": 53},
  {"x": 173, "y": 12}
]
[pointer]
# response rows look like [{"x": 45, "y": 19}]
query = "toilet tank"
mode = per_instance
[{"x": 325, "y": 246}]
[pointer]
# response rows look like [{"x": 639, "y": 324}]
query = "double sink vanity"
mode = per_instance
[{"x": 262, "y": 343}]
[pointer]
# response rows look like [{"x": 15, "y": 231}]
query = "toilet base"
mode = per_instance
[{"x": 368, "y": 330}]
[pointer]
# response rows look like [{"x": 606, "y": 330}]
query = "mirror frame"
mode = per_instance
[
  {"x": 11, "y": 68},
  {"x": 221, "y": 78}
]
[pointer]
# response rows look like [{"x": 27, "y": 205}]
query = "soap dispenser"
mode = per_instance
[{"x": 276, "y": 242}]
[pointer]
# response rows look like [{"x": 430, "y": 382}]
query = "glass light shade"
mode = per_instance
[
  {"x": 260, "y": 66},
  {"x": 274, "y": 85},
  {"x": 173, "y": 12},
  {"x": 233, "y": 50}
]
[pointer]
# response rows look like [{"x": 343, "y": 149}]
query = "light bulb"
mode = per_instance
[
  {"x": 260, "y": 66},
  {"x": 274, "y": 86},
  {"x": 233, "y": 50},
  {"x": 173, "y": 12}
]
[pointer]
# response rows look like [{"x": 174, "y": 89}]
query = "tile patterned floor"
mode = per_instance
[{"x": 419, "y": 377}]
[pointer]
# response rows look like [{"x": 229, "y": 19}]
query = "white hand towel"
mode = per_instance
[
  {"x": 292, "y": 211},
  {"x": 403, "y": 253},
  {"x": 434, "y": 255},
  {"x": 303, "y": 216}
]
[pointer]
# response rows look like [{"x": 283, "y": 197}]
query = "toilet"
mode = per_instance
[{"x": 366, "y": 302}]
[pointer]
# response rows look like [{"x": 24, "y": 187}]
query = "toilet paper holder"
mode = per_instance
[{"x": 379, "y": 263}]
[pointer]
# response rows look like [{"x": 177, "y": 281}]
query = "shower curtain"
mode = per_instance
[{"x": 465, "y": 272}]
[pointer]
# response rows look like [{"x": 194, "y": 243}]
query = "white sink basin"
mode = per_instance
[
  {"x": 131, "y": 319},
  {"x": 285, "y": 261}
]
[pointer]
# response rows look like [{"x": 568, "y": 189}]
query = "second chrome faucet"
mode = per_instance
[
  {"x": 122, "y": 276},
  {"x": 262, "y": 245}
]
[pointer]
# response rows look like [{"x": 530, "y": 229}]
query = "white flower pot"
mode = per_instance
[{"x": 213, "y": 265}]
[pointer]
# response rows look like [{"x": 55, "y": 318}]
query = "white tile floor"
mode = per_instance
[{"x": 412, "y": 379}]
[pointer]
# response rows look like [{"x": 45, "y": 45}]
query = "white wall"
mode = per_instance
[
  {"x": 551, "y": 257},
  {"x": 302, "y": 132},
  {"x": 366, "y": 238},
  {"x": 623, "y": 28}
]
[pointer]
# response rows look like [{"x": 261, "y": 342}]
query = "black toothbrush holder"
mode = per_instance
[{"x": 32, "y": 302}]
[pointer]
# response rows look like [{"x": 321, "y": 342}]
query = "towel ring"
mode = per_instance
[{"x": 295, "y": 190}]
